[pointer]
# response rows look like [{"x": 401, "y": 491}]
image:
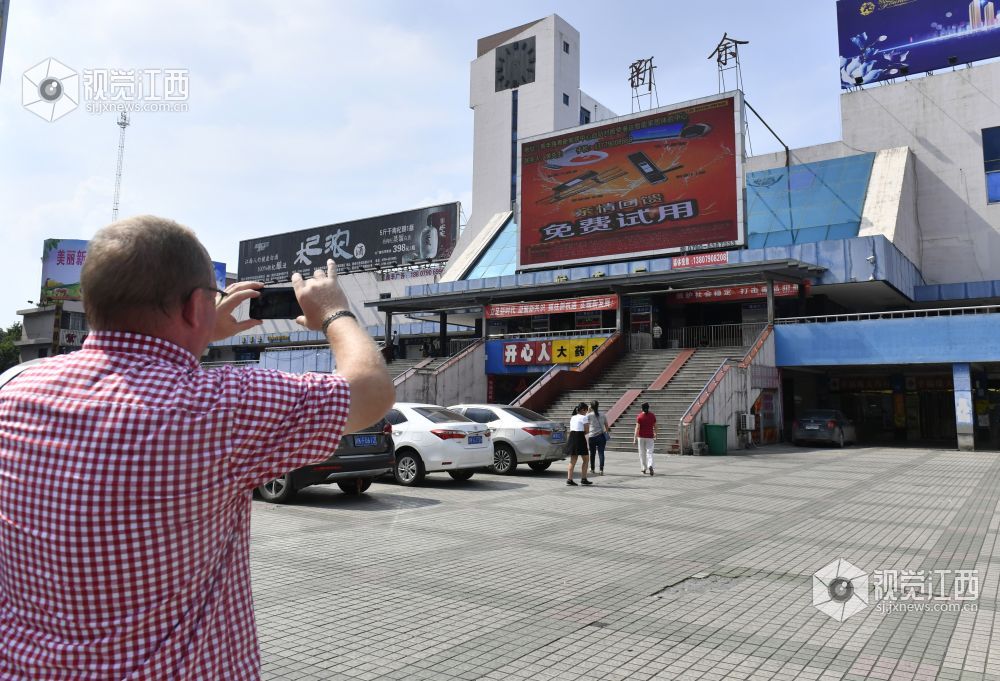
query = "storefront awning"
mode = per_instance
[{"x": 792, "y": 271}]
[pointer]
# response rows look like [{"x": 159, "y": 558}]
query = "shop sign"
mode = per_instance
[{"x": 589, "y": 304}]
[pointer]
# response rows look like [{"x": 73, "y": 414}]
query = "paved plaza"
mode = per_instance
[{"x": 704, "y": 571}]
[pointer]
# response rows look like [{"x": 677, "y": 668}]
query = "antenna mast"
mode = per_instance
[{"x": 123, "y": 122}]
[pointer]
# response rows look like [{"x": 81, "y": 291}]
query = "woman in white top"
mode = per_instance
[
  {"x": 578, "y": 444},
  {"x": 597, "y": 435}
]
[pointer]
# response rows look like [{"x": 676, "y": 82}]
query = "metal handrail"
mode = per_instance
[
  {"x": 709, "y": 388},
  {"x": 712, "y": 335},
  {"x": 233, "y": 363},
  {"x": 285, "y": 348},
  {"x": 893, "y": 314},
  {"x": 537, "y": 384},
  {"x": 701, "y": 399},
  {"x": 573, "y": 333}
]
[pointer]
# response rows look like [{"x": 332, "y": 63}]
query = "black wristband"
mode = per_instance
[{"x": 337, "y": 315}]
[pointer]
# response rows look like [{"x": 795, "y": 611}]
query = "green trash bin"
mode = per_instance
[{"x": 717, "y": 438}]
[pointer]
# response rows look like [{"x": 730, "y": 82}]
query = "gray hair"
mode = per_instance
[{"x": 139, "y": 268}]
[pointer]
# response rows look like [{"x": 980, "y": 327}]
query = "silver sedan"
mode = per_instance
[{"x": 519, "y": 436}]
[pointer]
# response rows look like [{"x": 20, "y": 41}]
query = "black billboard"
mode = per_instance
[
  {"x": 884, "y": 39},
  {"x": 411, "y": 237}
]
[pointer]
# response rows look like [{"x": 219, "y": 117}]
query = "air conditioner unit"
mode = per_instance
[{"x": 748, "y": 422}]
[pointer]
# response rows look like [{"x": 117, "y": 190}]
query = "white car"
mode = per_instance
[
  {"x": 430, "y": 438},
  {"x": 519, "y": 436}
]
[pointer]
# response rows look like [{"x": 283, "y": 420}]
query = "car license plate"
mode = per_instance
[
  {"x": 557, "y": 436},
  {"x": 812, "y": 426},
  {"x": 475, "y": 439},
  {"x": 365, "y": 440}
]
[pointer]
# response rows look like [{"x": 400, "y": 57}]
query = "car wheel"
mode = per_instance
[
  {"x": 409, "y": 468},
  {"x": 539, "y": 466},
  {"x": 461, "y": 476},
  {"x": 278, "y": 491},
  {"x": 840, "y": 439},
  {"x": 354, "y": 487},
  {"x": 504, "y": 460}
]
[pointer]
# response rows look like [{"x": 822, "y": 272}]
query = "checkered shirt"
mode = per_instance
[{"x": 126, "y": 474}]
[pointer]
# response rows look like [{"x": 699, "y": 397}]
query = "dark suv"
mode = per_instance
[{"x": 360, "y": 458}]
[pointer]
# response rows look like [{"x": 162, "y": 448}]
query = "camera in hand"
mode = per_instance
[{"x": 275, "y": 303}]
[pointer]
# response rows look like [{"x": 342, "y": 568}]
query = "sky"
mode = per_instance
[{"x": 309, "y": 112}]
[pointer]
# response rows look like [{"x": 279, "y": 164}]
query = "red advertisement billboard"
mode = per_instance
[
  {"x": 738, "y": 292},
  {"x": 665, "y": 181},
  {"x": 589, "y": 304}
]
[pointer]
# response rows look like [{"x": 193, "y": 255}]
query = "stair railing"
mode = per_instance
[{"x": 731, "y": 390}]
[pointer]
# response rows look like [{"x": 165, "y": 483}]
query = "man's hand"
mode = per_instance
[
  {"x": 226, "y": 325},
  {"x": 319, "y": 297}
]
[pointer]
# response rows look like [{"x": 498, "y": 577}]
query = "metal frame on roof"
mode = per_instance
[{"x": 794, "y": 271}]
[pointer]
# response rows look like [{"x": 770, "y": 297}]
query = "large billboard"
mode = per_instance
[
  {"x": 663, "y": 181},
  {"x": 4, "y": 11},
  {"x": 883, "y": 39},
  {"x": 415, "y": 236},
  {"x": 62, "y": 260}
]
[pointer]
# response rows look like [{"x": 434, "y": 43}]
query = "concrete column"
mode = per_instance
[
  {"x": 443, "y": 334},
  {"x": 962, "y": 383},
  {"x": 770, "y": 301}
]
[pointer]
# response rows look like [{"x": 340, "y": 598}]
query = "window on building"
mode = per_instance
[
  {"x": 565, "y": 47},
  {"x": 584, "y": 116},
  {"x": 565, "y": 99},
  {"x": 991, "y": 159}
]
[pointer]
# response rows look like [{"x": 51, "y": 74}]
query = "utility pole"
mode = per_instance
[{"x": 123, "y": 122}]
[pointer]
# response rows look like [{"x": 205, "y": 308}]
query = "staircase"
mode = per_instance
[
  {"x": 670, "y": 404},
  {"x": 634, "y": 370},
  {"x": 398, "y": 367}
]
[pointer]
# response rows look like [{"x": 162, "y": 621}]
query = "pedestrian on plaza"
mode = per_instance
[
  {"x": 657, "y": 335},
  {"x": 645, "y": 436},
  {"x": 578, "y": 444},
  {"x": 597, "y": 436},
  {"x": 395, "y": 345},
  {"x": 126, "y": 470}
]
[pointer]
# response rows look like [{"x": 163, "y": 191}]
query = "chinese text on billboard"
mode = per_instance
[
  {"x": 408, "y": 238},
  {"x": 666, "y": 181}
]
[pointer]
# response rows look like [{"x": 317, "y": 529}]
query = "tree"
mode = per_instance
[{"x": 9, "y": 354}]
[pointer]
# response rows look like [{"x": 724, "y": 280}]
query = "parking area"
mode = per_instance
[{"x": 704, "y": 571}]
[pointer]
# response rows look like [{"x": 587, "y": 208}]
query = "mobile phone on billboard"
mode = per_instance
[
  {"x": 275, "y": 302},
  {"x": 647, "y": 167}
]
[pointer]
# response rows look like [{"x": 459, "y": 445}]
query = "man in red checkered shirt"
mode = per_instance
[{"x": 126, "y": 470}]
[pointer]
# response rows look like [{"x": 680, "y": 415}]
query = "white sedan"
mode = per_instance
[
  {"x": 519, "y": 436},
  {"x": 430, "y": 438}
]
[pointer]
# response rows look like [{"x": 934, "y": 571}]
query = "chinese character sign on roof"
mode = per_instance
[{"x": 665, "y": 181}]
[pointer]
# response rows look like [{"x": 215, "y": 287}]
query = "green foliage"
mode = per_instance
[{"x": 9, "y": 354}]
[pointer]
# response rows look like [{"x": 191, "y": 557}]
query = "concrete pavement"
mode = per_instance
[{"x": 704, "y": 571}]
